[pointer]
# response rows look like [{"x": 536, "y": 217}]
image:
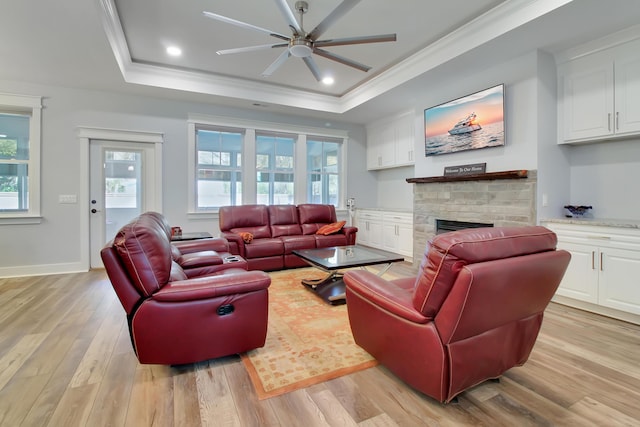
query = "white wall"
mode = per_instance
[
  {"x": 553, "y": 163},
  {"x": 520, "y": 80},
  {"x": 606, "y": 175},
  {"x": 530, "y": 116},
  {"x": 54, "y": 245},
  {"x": 393, "y": 190}
]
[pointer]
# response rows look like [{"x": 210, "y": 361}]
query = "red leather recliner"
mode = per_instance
[
  {"x": 174, "y": 319},
  {"x": 474, "y": 311}
]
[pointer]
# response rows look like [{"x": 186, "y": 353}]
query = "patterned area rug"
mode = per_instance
[{"x": 308, "y": 340}]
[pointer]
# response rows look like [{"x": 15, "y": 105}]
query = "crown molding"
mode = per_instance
[{"x": 498, "y": 21}]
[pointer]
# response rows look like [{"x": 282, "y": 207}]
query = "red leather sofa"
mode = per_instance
[
  {"x": 473, "y": 312},
  {"x": 278, "y": 230},
  {"x": 175, "y": 318}
]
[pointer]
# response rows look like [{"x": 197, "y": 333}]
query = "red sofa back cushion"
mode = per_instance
[
  {"x": 253, "y": 219},
  {"x": 447, "y": 253},
  {"x": 284, "y": 220},
  {"x": 313, "y": 216}
]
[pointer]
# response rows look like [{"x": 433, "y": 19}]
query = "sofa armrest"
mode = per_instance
[
  {"x": 199, "y": 259},
  {"x": 216, "y": 244},
  {"x": 199, "y": 288},
  {"x": 236, "y": 244},
  {"x": 350, "y": 233},
  {"x": 394, "y": 296}
]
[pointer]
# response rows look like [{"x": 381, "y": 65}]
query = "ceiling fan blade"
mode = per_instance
[
  {"x": 251, "y": 48},
  {"x": 312, "y": 67},
  {"x": 276, "y": 64},
  {"x": 356, "y": 40},
  {"x": 286, "y": 11},
  {"x": 336, "y": 14},
  {"x": 341, "y": 59},
  {"x": 244, "y": 25}
]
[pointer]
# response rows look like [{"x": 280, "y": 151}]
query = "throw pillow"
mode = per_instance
[
  {"x": 246, "y": 237},
  {"x": 331, "y": 228}
]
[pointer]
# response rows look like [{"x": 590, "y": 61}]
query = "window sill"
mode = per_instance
[{"x": 203, "y": 215}]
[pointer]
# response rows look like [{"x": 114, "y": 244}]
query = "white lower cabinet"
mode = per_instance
[
  {"x": 397, "y": 233},
  {"x": 387, "y": 230},
  {"x": 369, "y": 225},
  {"x": 604, "y": 273}
]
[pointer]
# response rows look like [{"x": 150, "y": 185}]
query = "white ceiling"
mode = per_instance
[
  {"x": 119, "y": 45},
  {"x": 149, "y": 26}
]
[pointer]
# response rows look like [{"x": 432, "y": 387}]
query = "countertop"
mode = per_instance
[
  {"x": 399, "y": 210},
  {"x": 597, "y": 222}
]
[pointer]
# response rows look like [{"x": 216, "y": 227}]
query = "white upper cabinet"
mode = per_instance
[
  {"x": 600, "y": 95},
  {"x": 627, "y": 79},
  {"x": 390, "y": 143}
]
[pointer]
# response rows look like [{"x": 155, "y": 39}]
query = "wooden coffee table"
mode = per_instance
[{"x": 330, "y": 260}]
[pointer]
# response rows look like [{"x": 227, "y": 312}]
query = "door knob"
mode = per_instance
[{"x": 94, "y": 210}]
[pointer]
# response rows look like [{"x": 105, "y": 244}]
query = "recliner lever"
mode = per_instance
[{"x": 223, "y": 310}]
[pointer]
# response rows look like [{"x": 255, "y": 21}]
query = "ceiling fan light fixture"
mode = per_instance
[{"x": 300, "y": 48}]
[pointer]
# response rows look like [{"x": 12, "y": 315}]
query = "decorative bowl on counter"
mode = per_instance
[{"x": 577, "y": 211}]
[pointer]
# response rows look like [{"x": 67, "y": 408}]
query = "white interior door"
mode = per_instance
[{"x": 121, "y": 186}]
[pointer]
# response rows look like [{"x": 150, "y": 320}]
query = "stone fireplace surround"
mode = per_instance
[{"x": 503, "y": 199}]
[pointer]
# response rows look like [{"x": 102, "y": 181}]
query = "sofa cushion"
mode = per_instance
[
  {"x": 331, "y": 228},
  {"x": 261, "y": 232},
  {"x": 284, "y": 220},
  {"x": 246, "y": 236},
  {"x": 313, "y": 216},
  {"x": 291, "y": 243},
  {"x": 260, "y": 248},
  {"x": 250, "y": 218},
  {"x": 330, "y": 240}
]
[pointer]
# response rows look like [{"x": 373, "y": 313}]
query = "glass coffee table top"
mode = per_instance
[
  {"x": 332, "y": 288},
  {"x": 346, "y": 256}
]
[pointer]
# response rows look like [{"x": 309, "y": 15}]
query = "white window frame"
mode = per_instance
[
  {"x": 249, "y": 191},
  {"x": 32, "y": 106},
  {"x": 322, "y": 172}
]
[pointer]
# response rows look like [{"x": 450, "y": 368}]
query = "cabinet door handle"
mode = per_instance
[
  {"x": 617, "y": 120},
  {"x": 601, "y": 267},
  {"x": 609, "y": 121},
  {"x": 593, "y": 260}
]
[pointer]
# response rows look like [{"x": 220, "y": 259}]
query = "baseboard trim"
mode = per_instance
[
  {"x": 598, "y": 309},
  {"x": 42, "y": 270}
]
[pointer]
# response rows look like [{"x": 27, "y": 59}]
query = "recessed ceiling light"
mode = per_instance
[
  {"x": 328, "y": 80},
  {"x": 174, "y": 51}
]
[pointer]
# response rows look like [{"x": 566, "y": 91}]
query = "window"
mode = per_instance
[
  {"x": 19, "y": 156},
  {"x": 323, "y": 165},
  {"x": 219, "y": 168},
  {"x": 274, "y": 165},
  {"x": 244, "y": 161}
]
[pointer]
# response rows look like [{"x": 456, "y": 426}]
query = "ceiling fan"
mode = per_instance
[{"x": 302, "y": 44}]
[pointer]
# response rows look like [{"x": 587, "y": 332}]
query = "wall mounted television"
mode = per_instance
[{"x": 468, "y": 123}]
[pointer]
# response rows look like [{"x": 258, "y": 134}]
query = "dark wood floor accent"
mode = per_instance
[
  {"x": 66, "y": 360},
  {"x": 516, "y": 174}
]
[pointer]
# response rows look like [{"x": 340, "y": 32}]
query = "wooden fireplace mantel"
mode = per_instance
[{"x": 515, "y": 174}]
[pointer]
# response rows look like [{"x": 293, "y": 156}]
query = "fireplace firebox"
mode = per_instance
[{"x": 445, "y": 225}]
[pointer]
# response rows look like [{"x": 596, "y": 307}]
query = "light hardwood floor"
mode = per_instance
[{"x": 66, "y": 360}]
